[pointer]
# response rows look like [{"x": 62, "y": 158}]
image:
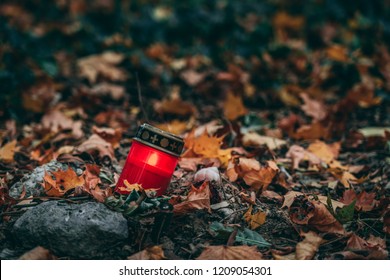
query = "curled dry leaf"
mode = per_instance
[
  {"x": 374, "y": 250},
  {"x": 230, "y": 253},
  {"x": 151, "y": 253},
  {"x": 38, "y": 253},
  {"x": 55, "y": 121},
  {"x": 191, "y": 164},
  {"x": 315, "y": 214},
  {"x": 96, "y": 146},
  {"x": 92, "y": 183},
  {"x": 197, "y": 199},
  {"x": 298, "y": 154},
  {"x": 306, "y": 249}
]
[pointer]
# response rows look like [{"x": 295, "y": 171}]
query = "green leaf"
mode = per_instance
[
  {"x": 250, "y": 237},
  {"x": 345, "y": 214}
]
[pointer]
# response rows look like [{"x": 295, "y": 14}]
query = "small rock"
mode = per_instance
[
  {"x": 87, "y": 230},
  {"x": 32, "y": 183}
]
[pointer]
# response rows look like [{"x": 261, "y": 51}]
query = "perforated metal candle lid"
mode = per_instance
[{"x": 159, "y": 139}]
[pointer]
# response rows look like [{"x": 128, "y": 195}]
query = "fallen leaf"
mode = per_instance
[
  {"x": 104, "y": 64},
  {"x": 92, "y": 183},
  {"x": 176, "y": 127},
  {"x": 192, "y": 77},
  {"x": 38, "y": 253},
  {"x": 289, "y": 198},
  {"x": 197, "y": 199},
  {"x": 298, "y": 154},
  {"x": 40, "y": 96},
  {"x": 311, "y": 131},
  {"x": 230, "y": 253},
  {"x": 96, "y": 146},
  {"x": 63, "y": 182},
  {"x": 174, "y": 105},
  {"x": 313, "y": 108},
  {"x": 151, "y": 253},
  {"x": 55, "y": 121},
  {"x": 111, "y": 135},
  {"x": 315, "y": 214},
  {"x": 252, "y": 139},
  {"x": 116, "y": 92},
  {"x": 374, "y": 251},
  {"x": 191, "y": 164},
  {"x": 364, "y": 201},
  {"x": 233, "y": 107},
  {"x": 343, "y": 176},
  {"x": 337, "y": 53},
  {"x": 254, "y": 220},
  {"x": 7, "y": 152},
  {"x": 326, "y": 152},
  {"x": 306, "y": 249}
]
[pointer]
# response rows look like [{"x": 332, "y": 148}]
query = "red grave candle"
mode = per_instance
[{"x": 152, "y": 159}]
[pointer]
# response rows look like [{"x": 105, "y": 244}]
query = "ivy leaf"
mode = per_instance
[{"x": 345, "y": 214}]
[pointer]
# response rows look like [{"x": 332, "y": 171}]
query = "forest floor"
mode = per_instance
[{"x": 284, "y": 109}]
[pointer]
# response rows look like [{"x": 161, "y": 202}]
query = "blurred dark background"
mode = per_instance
[{"x": 39, "y": 39}]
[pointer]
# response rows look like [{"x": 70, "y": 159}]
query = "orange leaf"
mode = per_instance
[
  {"x": 7, "y": 152},
  {"x": 233, "y": 107},
  {"x": 230, "y": 253},
  {"x": 63, "y": 182},
  {"x": 197, "y": 199},
  {"x": 254, "y": 220}
]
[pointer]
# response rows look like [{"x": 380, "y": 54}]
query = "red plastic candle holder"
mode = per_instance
[{"x": 152, "y": 159}]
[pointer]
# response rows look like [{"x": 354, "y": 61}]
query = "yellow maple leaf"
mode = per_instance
[{"x": 254, "y": 220}]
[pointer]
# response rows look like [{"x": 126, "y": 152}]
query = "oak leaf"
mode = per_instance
[{"x": 230, "y": 253}]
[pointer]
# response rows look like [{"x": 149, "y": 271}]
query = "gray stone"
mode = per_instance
[
  {"x": 82, "y": 231},
  {"x": 32, "y": 183}
]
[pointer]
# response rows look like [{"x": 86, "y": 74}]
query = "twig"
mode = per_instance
[{"x": 140, "y": 98}]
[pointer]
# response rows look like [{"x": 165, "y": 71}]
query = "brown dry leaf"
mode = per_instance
[
  {"x": 197, "y": 199},
  {"x": 151, "y": 253},
  {"x": 254, "y": 220},
  {"x": 40, "y": 96},
  {"x": 364, "y": 96},
  {"x": 374, "y": 251},
  {"x": 311, "y": 131},
  {"x": 63, "y": 182},
  {"x": 298, "y": 154},
  {"x": 260, "y": 180},
  {"x": 364, "y": 201},
  {"x": 230, "y": 253},
  {"x": 38, "y": 253},
  {"x": 337, "y": 53},
  {"x": 111, "y": 135},
  {"x": 315, "y": 214},
  {"x": 251, "y": 139},
  {"x": 233, "y": 107},
  {"x": 7, "y": 152},
  {"x": 102, "y": 64},
  {"x": 289, "y": 198},
  {"x": 306, "y": 249},
  {"x": 96, "y": 146},
  {"x": 128, "y": 188},
  {"x": 313, "y": 108},
  {"x": 55, "y": 121},
  {"x": 92, "y": 183}
]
